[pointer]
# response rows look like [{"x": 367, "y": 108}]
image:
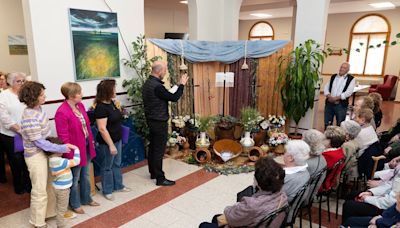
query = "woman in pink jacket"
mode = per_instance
[{"x": 73, "y": 126}]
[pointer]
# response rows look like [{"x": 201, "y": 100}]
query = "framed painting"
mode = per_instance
[{"x": 95, "y": 44}]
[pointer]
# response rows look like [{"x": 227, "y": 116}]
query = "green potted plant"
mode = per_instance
[
  {"x": 299, "y": 75},
  {"x": 249, "y": 118},
  {"x": 141, "y": 65},
  {"x": 205, "y": 122}
]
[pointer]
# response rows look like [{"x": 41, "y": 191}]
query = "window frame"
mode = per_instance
[
  {"x": 367, "y": 44},
  {"x": 260, "y": 37}
]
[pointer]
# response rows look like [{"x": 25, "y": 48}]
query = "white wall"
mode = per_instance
[
  {"x": 50, "y": 47},
  {"x": 158, "y": 21},
  {"x": 11, "y": 23}
]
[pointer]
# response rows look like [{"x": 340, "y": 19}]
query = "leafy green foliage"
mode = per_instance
[
  {"x": 249, "y": 118},
  {"x": 142, "y": 67},
  {"x": 297, "y": 82},
  {"x": 206, "y": 122}
]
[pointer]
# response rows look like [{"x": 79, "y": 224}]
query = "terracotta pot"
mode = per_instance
[
  {"x": 280, "y": 149},
  {"x": 259, "y": 137},
  {"x": 202, "y": 155},
  {"x": 224, "y": 132},
  {"x": 238, "y": 131},
  {"x": 255, "y": 153},
  {"x": 186, "y": 147},
  {"x": 173, "y": 150},
  {"x": 191, "y": 135}
]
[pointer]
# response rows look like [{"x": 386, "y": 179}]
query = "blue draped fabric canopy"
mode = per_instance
[{"x": 225, "y": 51}]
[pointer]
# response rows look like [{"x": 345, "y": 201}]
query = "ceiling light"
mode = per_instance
[
  {"x": 382, "y": 5},
  {"x": 261, "y": 15},
  {"x": 183, "y": 2}
]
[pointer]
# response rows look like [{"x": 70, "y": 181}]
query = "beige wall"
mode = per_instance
[
  {"x": 282, "y": 28},
  {"x": 338, "y": 31},
  {"x": 158, "y": 21},
  {"x": 11, "y": 23}
]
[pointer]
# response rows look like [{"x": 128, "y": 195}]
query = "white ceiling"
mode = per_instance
[{"x": 278, "y": 8}]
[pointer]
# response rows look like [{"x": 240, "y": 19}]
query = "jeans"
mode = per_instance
[
  {"x": 80, "y": 189},
  {"x": 338, "y": 110},
  {"x": 111, "y": 174},
  {"x": 354, "y": 222},
  {"x": 158, "y": 141}
]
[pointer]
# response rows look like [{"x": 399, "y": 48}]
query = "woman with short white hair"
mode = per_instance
[
  {"x": 11, "y": 110},
  {"x": 316, "y": 163},
  {"x": 351, "y": 147},
  {"x": 296, "y": 175}
]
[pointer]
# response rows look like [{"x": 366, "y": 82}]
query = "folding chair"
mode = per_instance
[
  {"x": 275, "y": 219},
  {"x": 296, "y": 204}
]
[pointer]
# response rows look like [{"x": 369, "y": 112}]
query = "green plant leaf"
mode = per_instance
[
  {"x": 361, "y": 44},
  {"x": 358, "y": 50},
  {"x": 393, "y": 43},
  {"x": 398, "y": 35}
]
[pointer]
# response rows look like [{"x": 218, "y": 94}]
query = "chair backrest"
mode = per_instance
[
  {"x": 331, "y": 175},
  {"x": 275, "y": 218},
  {"x": 296, "y": 204},
  {"x": 314, "y": 186},
  {"x": 393, "y": 80},
  {"x": 365, "y": 164}
]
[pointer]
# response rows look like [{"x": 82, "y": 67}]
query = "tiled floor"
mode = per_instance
[{"x": 196, "y": 197}]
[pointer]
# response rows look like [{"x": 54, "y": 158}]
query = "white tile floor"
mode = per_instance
[{"x": 187, "y": 210}]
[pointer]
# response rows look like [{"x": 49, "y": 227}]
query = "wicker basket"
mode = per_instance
[{"x": 227, "y": 149}]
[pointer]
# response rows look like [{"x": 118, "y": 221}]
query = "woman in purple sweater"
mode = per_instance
[{"x": 269, "y": 177}]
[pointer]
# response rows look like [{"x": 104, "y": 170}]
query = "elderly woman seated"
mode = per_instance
[
  {"x": 367, "y": 135},
  {"x": 296, "y": 174},
  {"x": 389, "y": 217},
  {"x": 351, "y": 146},
  {"x": 334, "y": 153},
  {"x": 373, "y": 201},
  {"x": 269, "y": 177},
  {"x": 316, "y": 140},
  {"x": 364, "y": 102}
]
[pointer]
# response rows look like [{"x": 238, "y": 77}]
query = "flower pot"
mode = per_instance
[
  {"x": 259, "y": 137},
  {"x": 202, "y": 141},
  {"x": 191, "y": 135},
  {"x": 255, "y": 153},
  {"x": 224, "y": 132},
  {"x": 279, "y": 149},
  {"x": 238, "y": 131},
  {"x": 247, "y": 141},
  {"x": 202, "y": 155},
  {"x": 173, "y": 151}
]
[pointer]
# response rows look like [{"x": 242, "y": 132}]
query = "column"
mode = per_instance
[
  {"x": 214, "y": 20},
  {"x": 309, "y": 22}
]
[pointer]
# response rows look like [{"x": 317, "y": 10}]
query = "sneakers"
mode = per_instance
[
  {"x": 109, "y": 197},
  {"x": 69, "y": 215},
  {"x": 125, "y": 189}
]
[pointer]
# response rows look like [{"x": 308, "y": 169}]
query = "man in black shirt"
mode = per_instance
[{"x": 155, "y": 101}]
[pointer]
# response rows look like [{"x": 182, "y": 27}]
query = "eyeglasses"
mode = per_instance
[{"x": 20, "y": 81}]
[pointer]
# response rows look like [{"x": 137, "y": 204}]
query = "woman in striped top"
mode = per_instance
[{"x": 35, "y": 129}]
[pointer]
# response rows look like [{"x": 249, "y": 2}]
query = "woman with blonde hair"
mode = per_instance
[
  {"x": 377, "y": 99},
  {"x": 73, "y": 126}
]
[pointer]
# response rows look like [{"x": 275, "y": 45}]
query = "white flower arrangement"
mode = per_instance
[
  {"x": 278, "y": 138},
  {"x": 276, "y": 121},
  {"x": 178, "y": 122},
  {"x": 175, "y": 138}
]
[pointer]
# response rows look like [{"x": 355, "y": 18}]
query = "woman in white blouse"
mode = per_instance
[{"x": 10, "y": 117}]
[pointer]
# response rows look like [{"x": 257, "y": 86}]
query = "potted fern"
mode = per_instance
[{"x": 299, "y": 76}]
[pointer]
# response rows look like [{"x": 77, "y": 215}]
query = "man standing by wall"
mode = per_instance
[
  {"x": 337, "y": 93},
  {"x": 155, "y": 101}
]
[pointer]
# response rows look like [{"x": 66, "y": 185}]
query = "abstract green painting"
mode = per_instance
[{"x": 95, "y": 44}]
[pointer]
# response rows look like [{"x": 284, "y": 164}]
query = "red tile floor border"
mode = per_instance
[{"x": 136, "y": 207}]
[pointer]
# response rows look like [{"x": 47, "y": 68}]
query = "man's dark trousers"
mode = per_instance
[
  {"x": 338, "y": 110},
  {"x": 158, "y": 141}
]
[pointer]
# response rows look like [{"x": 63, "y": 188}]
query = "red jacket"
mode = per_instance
[
  {"x": 69, "y": 130},
  {"x": 332, "y": 156}
]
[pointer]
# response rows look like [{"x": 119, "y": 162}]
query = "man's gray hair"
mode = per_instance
[
  {"x": 11, "y": 77},
  {"x": 351, "y": 127},
  {"x": 157, "y": 67},
  {"x": 316, "y": 140},
  {"x": 299, "y": 150}
]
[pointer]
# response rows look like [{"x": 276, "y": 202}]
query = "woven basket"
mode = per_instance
[{"x": 227, "y": 145}]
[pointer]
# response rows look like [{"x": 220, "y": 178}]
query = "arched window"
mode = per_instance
[
  {"x": 261, "y": 31},
  {"x": 370, "y": 30}
]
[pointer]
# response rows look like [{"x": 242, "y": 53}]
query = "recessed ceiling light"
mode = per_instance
[
  {"x": 262, "y": 15},
  {"x": 183, "y": 2},
  {"x": 382, "y": 5}
]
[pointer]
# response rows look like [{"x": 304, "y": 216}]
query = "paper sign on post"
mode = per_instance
[{"x": 228, "y": 77}]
